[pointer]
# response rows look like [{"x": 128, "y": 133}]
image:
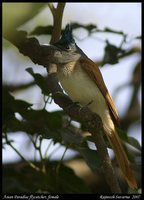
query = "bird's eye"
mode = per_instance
[{"x": 67, "y": 47}]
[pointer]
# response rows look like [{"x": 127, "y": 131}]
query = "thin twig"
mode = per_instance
[
  {"x": 21, "y": 156},
  {"x": 55, "y": 150},
  {"x": 41, "y": 156},
  {"x": 52, "y": 8},
  {"x": 46, "y": 151},
  {"x": 60, "y": 162}
]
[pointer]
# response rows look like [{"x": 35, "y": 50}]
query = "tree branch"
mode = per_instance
[
  {"x": 42, "y": 55},
  {"x": 57, "y": 17}
]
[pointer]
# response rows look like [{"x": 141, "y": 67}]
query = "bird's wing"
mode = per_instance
[{"x": 94, "y": 73}]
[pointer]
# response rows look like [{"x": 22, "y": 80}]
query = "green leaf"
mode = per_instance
[
  {"x": 88, "y": 27},
  {"x": 112, "y": 54},
  {"x": 69, "y": 137},
  {"x": 91, "y": 157},
  {"x": 11, "y": 106},
  {"x": 40, "y": 81},
  {"x": 21, "y": 106},
  {"x": 7, "y": 106},
  {"x": 130, "y": 140},
  {"x": 138, "y": 37},
  {"x": 52, "y": 134},
  {"x": 69, "y": 183},
  {"x": 52, "y": 119},
  {"x": 42, "y": 30},
  {"x": 45, "y": 123}
]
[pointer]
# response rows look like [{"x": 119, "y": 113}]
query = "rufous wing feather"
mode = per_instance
[{"x": 94, "y": 73}]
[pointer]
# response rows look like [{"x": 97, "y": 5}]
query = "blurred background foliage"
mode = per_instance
[{"x": 31, "y": 118}]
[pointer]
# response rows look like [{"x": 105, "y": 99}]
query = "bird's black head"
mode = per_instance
[{"x": 66, "y": 41}]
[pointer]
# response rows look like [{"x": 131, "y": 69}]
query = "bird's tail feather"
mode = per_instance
[{"x": 122, "y": 158}]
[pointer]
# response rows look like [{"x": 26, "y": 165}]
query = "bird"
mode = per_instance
[{"x": 82, "y": 80}]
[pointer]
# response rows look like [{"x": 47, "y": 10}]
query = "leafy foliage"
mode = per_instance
[
  {"x": 112, "y": 54},
  {"x": 40, "y": 81},
  {"x": 21, "y": 178}
]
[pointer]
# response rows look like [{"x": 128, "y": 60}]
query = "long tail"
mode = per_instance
[{"x": 122, "y": 158}]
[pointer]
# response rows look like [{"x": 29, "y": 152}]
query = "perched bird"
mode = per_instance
[{"x": 82, "y": 80}]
